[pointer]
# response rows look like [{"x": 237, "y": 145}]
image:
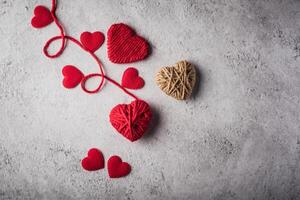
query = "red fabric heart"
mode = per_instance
[
  {"x": 131, "y": 79},
  {"x": 42, "y": 17},
  {"x": 131, "y": 120},
  {"x": 94, "y": 160},
  {"x": 73, "y": 76},
  {"x": 124, "y": 45},
  {"x": 117, "y": 168},
  {"x": 92, "y": 41}
]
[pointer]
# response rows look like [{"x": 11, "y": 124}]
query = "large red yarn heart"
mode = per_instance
[
  {"x": 131, "y": 120},
  {"x": 117, "y": 168},
  {"x": 92, "y": 41},
  {"x": 73, "y": 76},
  {"x": 93, "y": 161},
  {"x": 42, "y": 17},
  {"x": 131, "y": 79},
  {"x": 124, "y": 45}
]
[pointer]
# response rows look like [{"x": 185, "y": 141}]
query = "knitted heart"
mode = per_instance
[
  {"x": 124, "y": 45},
  {"x": 92, "y": 41},
  {"x": 131, "y": 79},
  {"x": 73, "y": 76},
  {"x": 131, "y": 120},
  {"x": 117, "y": 168},
  {"x": 42, "y": 17},
  {"x": 94, "y": 160},
  {"x": 177, "y": 81}
]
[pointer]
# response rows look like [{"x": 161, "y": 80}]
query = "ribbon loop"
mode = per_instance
[{"x": 61, "y": 49}]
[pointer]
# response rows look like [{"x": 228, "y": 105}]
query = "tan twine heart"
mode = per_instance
[{"x": 177, "y": 81}]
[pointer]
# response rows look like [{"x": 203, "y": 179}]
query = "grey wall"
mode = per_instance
[{"x": 237, "y": 138}]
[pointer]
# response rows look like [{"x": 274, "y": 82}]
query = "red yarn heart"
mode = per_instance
[
  {"x": 117, "y": 168},
  {"x": 94, "y": 160},
  {"x": 131, "y": 120},
  {"x": 131, "y": 79},
  {"x": 73, "y": 76},
  {"x": 124, "y": 45},
  {"x": 92, "y": 41},
  {"x": 42, "y": 17}
]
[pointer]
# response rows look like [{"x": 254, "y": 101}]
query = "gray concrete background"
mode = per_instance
[{"x": 237, "y": 138}]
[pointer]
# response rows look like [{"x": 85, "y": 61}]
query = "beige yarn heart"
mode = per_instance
[{"x": 177, "y": 81}]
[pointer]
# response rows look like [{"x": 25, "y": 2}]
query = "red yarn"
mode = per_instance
[
  {"x": 94, "y": 160},
  {"x": 107, "y": 78},
  {"x": 61, "y": 36},
  {"x": 117, "y": 168},
  {"x": 124, "y": 45},
  {"x": 42, "y": 17},
  {"x": 73, "y": 76},
  {"x": 92, "y": 41},
  {"x": 131, "y": 79},
  {"x": 131, "y": 120}
]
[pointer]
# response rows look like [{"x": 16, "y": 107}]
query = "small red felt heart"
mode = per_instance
[
  {"x": 42, "y": 17},
  {"x": 131, "y": 120},
  {"x": 117, "y": 168},
  {"x": 124, "y": 45},
  {"x": 73, "y": 76},
  {"x": 92, "y": 41},
  {"x": 131, "y": 79},
  {"x": 94, "y": 160}
]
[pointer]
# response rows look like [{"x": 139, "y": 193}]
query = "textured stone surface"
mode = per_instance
[{"x": 237, "y": 138}]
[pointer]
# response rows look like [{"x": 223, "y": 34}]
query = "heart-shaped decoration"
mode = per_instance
[
  {"x": 73, "y": 76},
  {"x": 93, "y": 161},
  {"x": 124, "y": 45},
  {"x": 92, "y": 41},
  {"x": 131, "y": 79},
  {"x": 42, "y": 17},
  {"x": 177, "y": 81},
  {"x": 117, "y": 168},
  {"x": 131, "y": 120}
]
